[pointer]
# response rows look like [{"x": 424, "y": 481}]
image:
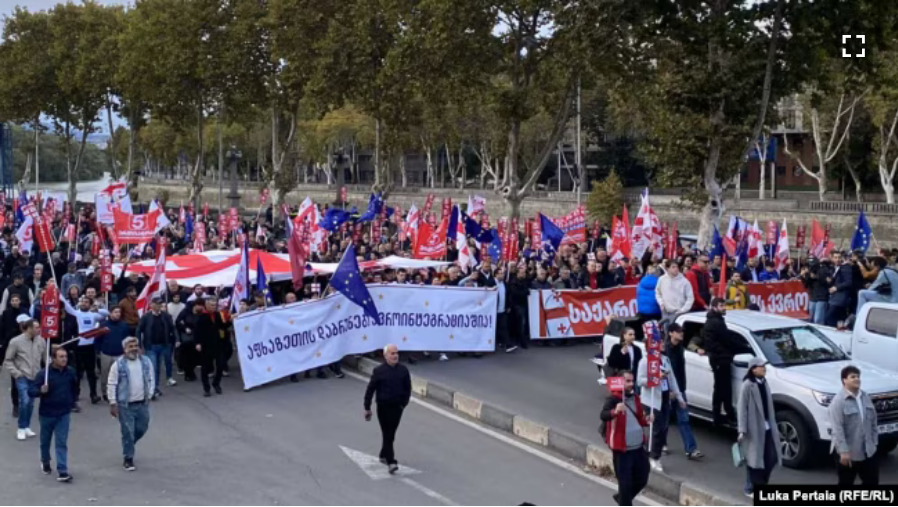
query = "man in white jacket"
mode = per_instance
[{"x": 674, "y": 293}]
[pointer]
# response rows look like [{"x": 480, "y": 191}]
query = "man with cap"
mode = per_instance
[
  {"x": 156, "y": 335},
  {"x": 23, "y": 360}
]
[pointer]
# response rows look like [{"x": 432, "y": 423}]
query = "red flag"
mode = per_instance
[
  {"x": 155, "y": 287},
  {"x": 205, "y": 210},
  {"x": 672, "y": 241},
  {"x": 50, "y": 312},
  {"x": 800, "y": 234},
  {"x": 135, "y": 229},
  {"x": 105, "y": 271},
  {"x": 431, "y": 243}
]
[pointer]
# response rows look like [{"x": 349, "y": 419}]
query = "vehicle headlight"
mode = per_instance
[{"x": 823, "y": 398}]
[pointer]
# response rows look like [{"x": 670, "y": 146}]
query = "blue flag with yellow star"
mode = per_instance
[
  {"x": 333, "y": 218},
  {"x": 347, "y": 280},
  {"x": 862, "y": 234},
  {"x": 262, "y": 282}
]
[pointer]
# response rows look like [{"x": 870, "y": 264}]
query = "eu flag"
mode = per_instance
[
  {"x": 862, "y": 234},
  {"x": 552, "y": 235},
  {"x": 375, "y": 205},
  {"x": 23, "y": 200},
  {"x": 347, "y": 280},
  {"x": 473, "y": 229},
  {"x": 333, "y": 219},
  {"x": 262, "y": 281},
  {"x": 495, "y": 248},
  {"x": 188, "y": 226},
  {"x": 716, "y": 245}
]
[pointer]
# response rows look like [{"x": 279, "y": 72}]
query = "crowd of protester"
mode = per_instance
[{"x": 190, "y": 328}]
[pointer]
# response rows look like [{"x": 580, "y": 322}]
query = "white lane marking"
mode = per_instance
[
  {"x": 427, "y": 491},
  {"x": 377, "y": 471},
  {"x": 514, "y": 443}
]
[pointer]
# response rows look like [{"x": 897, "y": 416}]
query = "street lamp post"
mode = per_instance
[{"x": 234, "y": 156}]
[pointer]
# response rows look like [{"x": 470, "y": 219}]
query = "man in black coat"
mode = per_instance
[
  {"x": 209, "y": 344},
  {"x": 840, "y": 282},
  {"x": 719, "y": 345},
  {"x": 156, "y": 335},
  {"x": 392, "y": 384}
]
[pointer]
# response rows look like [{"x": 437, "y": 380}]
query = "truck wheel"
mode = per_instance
[
  {"x": 797, "y": 448},
  {"x": 886, "y": 445}
]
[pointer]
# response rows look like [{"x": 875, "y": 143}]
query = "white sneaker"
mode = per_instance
[
  {"x": 29, "y": 433},
  {"x": 444, "y": 357},
  {"x": 20, "y": 435},
  {"x": 656, "y": 465},
  {"x": 511, "y": 349},
  {"x": 172, "y": 382}
]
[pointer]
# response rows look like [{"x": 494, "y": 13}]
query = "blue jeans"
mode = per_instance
[
  {"x": 60, "y": 427},
  {"x": 683, "y": 425},
  {"x": 817, "y": 311},
  {"x": 26, "y": 404},
  {"x": 134, "y": 420},
  {"x": 869, "y": 296},
  {"x": 156, "y": 353},
  {"x": 749, "y": 488}
]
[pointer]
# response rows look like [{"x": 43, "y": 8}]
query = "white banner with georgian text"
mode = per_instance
[{"x": 283, "y": 340}]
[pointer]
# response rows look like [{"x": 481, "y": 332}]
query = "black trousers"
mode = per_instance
[
  {"x": 211, "y": 359},
  {"x": 834, "y": 314},
  {"x": 868, "y": 470},
  {"x": 86, "y": 362},
  {"x": 722, "y": 397},
  {"x": 188, "y": 359},
  {"x": 632, "y": 471},
  {"x": 388, "y": 415},
  {"x": 502, "y": 338},
  {"x": 227, "y": 350},
  {"x": 761, "y": 476},
  {"x": 520, "y": 332}
]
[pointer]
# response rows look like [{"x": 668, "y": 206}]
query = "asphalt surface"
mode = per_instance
[
  {"x": 558, "y": 386},
  {"x": 281, "y": 444}
]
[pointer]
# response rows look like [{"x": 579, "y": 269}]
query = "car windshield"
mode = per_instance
[{"x": 797, "y": 345}]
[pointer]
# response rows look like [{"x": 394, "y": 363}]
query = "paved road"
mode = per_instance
[
  {"x": 281, "y": 445},
  {"x": 557, "y": 386}
]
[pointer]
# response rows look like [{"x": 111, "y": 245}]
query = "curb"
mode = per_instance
[{"x": 595, "y": 458}]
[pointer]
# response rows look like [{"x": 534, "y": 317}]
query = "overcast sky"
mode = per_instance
[{"x": 8, "y": 6}]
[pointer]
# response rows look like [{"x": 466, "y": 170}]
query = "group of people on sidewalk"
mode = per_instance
[{"x": 628, "y": 412}]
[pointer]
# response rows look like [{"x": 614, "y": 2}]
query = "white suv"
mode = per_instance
[{"x": 803, "y": 374}]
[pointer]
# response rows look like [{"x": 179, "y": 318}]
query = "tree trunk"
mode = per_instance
[
  {"x": 821, "y": 182},
  {"x": 110, "y": 147},
  {"x": 428, "y": 154},
  {"x": 890, "y": 193},
  {"x": 402, "y": 170},
  {"x": 196, "y": 178},
  {"x": 514, "y": 207},
  {"x": 762, "y": 182}
]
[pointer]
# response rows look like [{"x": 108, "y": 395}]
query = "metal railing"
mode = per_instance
[{"x": 853, "y": 207}]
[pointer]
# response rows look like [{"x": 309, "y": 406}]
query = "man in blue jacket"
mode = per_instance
[
  {"x": 57, "y": 397},
  {"x": 840, "y": 287}
]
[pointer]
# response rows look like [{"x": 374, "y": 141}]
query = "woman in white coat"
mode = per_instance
[{"x": 758, "y": 434}]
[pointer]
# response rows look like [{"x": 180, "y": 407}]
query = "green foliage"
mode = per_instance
[
  {"x": 606, "y": 198},
  {"x": 53, "y": 157}
]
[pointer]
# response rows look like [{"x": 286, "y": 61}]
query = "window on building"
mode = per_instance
[{"x": 780, "y": 170}]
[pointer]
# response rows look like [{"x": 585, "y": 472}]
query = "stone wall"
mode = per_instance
[{"x": 668, "y": 207}]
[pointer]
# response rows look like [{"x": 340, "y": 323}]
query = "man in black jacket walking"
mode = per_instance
[
  {"x": 57, "y": 397},
  {"x": 393, "y": 385}
]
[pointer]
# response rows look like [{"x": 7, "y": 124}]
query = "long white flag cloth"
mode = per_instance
[{"x": 280, "y": 341}]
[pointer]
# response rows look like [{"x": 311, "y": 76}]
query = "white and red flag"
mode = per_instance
[{"x": 155, "y": 287}]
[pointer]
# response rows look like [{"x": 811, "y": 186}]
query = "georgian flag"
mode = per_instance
[
  {"x": 558, "y": 323},
  {"x": 241, "y": 283},
  {"x": 25, "y": 235},
  {"x": 465, "y": 256},
  {"x": 155, "y": 287},
  {"x": 782, "y": 248}
]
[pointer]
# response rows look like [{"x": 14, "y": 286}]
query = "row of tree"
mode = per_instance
[{"x": 695, "y": 81}]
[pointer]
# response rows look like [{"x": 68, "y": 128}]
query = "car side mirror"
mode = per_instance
[{"x": 741, "y": 360}]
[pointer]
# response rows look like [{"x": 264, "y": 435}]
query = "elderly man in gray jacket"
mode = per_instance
[{"x": 855, "y": 431}]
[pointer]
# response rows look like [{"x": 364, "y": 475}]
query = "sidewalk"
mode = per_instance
[{"x": 556, "y": 386}]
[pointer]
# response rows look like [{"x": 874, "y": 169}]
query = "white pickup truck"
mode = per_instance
[
  {"x": 875, "y": 336},
  {"x": 803, "y": 373}
]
